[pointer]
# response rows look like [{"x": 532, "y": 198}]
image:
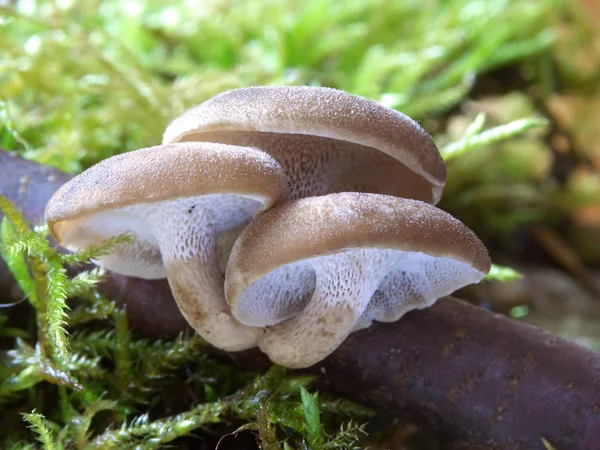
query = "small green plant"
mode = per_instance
[
  {"x": 503, "y": 273},
  {"x": 475, "y": 138}
]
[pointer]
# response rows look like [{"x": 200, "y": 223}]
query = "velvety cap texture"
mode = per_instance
[
  {"x": 316, "y": 111},
  {"x": 317, "y": 226},
  {"x": 167, "y": 172}
]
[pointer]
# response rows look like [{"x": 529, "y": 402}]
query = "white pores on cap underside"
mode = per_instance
[
  {"x": 311, "y": 306},
  {"x": 179, "y": 239}
]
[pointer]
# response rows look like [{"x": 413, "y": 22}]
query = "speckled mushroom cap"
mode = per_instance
[
  {"x": 315, "y": 269},
  {"x": 176, "y": 200},
  {"x": 325, "y": 139},
  {"x": 100, "y": 202}
]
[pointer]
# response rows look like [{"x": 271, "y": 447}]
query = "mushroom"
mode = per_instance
[
  {"x": 176, "y": 200},
  {"x": 326, "y": 140},
  {"x": 313, "y": 270}
]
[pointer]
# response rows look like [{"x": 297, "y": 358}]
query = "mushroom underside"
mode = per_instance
[
  {"x": 185, "y": 233},
  {"x": 317, "y": 165},
  {"x": 346, "y": 292},
  {"x": 141, "y": 258},
  {"x": 401, "y": 280},
  {"x": 224, "y": 214}
]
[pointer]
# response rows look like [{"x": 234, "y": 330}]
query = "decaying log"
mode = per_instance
[{"x": 480, "y": 380}]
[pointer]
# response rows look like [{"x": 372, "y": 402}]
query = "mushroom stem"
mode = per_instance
[
  {"x": 197, "y": 287},
  {"x": 188, "y": 240},
  {"x": 344, "y": 287}
]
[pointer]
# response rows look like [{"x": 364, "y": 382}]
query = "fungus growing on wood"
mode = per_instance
[
  {"x": 175, "y": 200},
  {"x": 313, "y": 270}
]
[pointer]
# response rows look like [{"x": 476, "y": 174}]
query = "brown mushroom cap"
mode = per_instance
[
  {"x": 152, "y": 175},
  {"x": 167, "y": 172},
  {"x": 319, "y": 226},
  {"x": 325, "y": 139},
  {"x": 314, "y": 269},
  {"x": 176, "y": 200}
]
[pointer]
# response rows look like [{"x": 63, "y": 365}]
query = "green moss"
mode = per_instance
[{"x": 81, "y": 83}]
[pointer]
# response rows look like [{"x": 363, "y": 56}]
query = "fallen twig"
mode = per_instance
[{"x": 481, "y": 380}]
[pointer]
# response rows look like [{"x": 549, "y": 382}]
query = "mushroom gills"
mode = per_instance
[
  {"x": 317, "y": 165},
  {"x": 185, "y": 232},
  {"x": 312, "y": 305}
]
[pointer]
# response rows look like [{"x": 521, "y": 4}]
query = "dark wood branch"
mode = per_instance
[
  {"x": 30, "y": 186},
  {"x": 480, "y": 380}
]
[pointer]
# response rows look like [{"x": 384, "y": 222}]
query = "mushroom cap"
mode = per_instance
[
  {"x": 87, "y": 209},
  {"x": 288, "y": 236},
  {"x": 325, "y": 113}
]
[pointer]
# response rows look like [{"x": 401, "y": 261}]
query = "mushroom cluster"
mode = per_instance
[{"x": 283, "y": 217}]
